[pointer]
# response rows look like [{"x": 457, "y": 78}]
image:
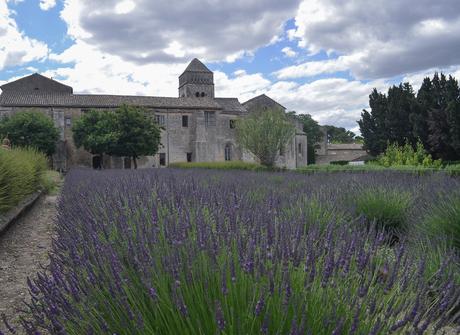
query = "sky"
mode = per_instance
[{"x": 321, "y": 57}]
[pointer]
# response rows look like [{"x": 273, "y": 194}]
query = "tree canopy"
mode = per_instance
[
  {"x": 265, "y": 133},
  {"x": 95, "y": 132},
  {"x": 339, "y": 135},
  {"x": 138, "y": 134},
  {"x": 128, "y": 131},
  {"x": 431, "y": 116},
  {"x": 30, "y": 129}
]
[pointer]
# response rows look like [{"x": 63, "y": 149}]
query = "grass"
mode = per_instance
[
  {"x": 228, "y": 165},
  {"x": 51, "y": 182},
  {"x": 21, "y": 173},
  {"x": 419, "y": 170},
  {"x": 387, "y": 208},
  {"x": 443, "y": 220}
]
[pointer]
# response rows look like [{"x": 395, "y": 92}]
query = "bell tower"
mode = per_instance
[{"x": 197, "y": 81}]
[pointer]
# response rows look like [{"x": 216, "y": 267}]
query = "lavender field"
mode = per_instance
[{"x": 235, "y": 252}]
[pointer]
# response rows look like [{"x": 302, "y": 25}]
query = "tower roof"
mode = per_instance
[{"x": 197, "y": 66}]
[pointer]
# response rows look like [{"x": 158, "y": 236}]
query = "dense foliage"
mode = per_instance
[
  {"x": 30, "y": 129},
  {"x": 128, "y": 131},
  {"x": 265, "y": 133},
  {"x": 218, "y": 252},
  {"x": 396, "y": 155},
  {"x": 339, "y": 135},
  {"x": 137, "y": 134},
  {"x": 400, "y": 116},
  {"x": 21, "y": 172},
  {"x": 95, "y": 132}
]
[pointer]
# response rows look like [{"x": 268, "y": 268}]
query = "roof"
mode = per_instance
[
  {"x": 36, "y": 83},
  {"x": 230, "y": 105},
  {"x": 26, "y": 99},
  {"x": 196, "y": 66},
  {"x": 262, "y": 99},
  {"x": 345, "y": 146}
]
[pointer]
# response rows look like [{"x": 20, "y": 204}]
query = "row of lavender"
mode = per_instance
[{"x": 202, "y": 252}]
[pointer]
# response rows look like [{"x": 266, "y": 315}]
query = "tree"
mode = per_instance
[
  {"x": 265, "y": 133},
  {"x": 30, "y": 129},
  {"x": 401, "y": 103},
  {"x": 432, "y": 117},
  {"x": 95, "y": 131},
  {"x": 137, "y": 134},
  {"x": 372, "y": 124},
  {"x": 339, "y": 135},
  {"x": 443, "y": 119}
]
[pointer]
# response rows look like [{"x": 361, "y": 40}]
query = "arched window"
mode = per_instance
[
  {"x": 228, "y": 152},
  {"x": 197, "y": 94},
  {"x": 202, "y": 94}
]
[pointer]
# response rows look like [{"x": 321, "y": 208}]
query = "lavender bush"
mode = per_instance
[{"x": 236, "y": 252}]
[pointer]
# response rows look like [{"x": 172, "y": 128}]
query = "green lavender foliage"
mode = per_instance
[
  {"x": 388, "y": 208},
  {"x": 174, "y": 251}
]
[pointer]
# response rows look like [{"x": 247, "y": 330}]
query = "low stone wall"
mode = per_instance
[{"x": 13, "y": 214}]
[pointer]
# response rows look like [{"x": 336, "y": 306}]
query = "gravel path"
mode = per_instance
[{"x": 24, "y": 249}]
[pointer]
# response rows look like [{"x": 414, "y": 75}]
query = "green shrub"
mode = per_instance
[
  {"x": 31, "y": 129},
  {"x": 453, "y": 169},
  {"x": 20, "y": 175},
  {"x": 228, "y": 165},
  {"x": 388, "y": 209},
  {"x": 396, "y": 155},
  {"x": 443, "y": 220}
]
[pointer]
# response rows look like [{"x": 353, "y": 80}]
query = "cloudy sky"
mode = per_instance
[{"x": 321, "y": 57}]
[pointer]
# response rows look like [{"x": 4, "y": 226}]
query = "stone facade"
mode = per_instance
[
  {"x": 196, "y": 126},
  {"x": 328, "y": 152}
]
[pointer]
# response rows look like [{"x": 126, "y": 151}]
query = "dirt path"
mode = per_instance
[{"x": 23, "y": 249}]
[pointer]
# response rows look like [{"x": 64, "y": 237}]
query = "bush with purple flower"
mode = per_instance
[{"x": 238, "y": 252}]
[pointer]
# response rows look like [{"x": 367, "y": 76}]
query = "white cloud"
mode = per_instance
[
  {"x": 125, "y": 6},
  {"x": 389, "y": 37},
  {"x": 47, "y": 4},
  {"x": 144, "y": 30},
  {"x": 288, "y": 52},
  {"x": 15, "y": 47},
  {"x": 90, "y": 70},
  {"x": 334, "y": 101},
  {"x": 314, "y": 68}
]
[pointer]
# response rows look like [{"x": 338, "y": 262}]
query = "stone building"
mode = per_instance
[
  {"x": 197, "y": 126},
  {"x": 330, "y": 152}
]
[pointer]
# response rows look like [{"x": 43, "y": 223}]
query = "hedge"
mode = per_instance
[{"x": 21, "y": 172}]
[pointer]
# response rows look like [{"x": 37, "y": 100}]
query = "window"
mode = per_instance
[
  {"x": 197, "y": 94},
  {"x": 184, "y": 120},
  {"x": 202, "y": 94},
  {"x": 162, "y": 159},
  {"x": 209, "y": 119},
  {"x": 160, "y": 120},
  {"x": 300, "y": 149},
  {"x": 232, "y": 124},
  {"x": 68, "y": 121},
  {"x": 228, "y": 152},
  {"x": 189, "y": 157}
]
